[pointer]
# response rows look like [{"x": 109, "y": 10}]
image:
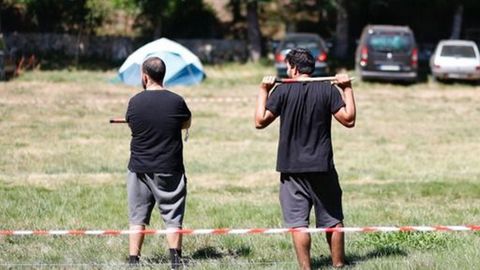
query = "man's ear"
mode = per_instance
[{"x": 295, "y": 71}]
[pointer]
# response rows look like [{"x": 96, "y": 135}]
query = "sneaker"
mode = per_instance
[
  {"x": 133, "y": 260},
  {"x": 176, "y": 262}
]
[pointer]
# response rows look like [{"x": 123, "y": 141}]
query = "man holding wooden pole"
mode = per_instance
[
  {"x": 305, "y": 156},
  {"x": 156, "y": 174}
]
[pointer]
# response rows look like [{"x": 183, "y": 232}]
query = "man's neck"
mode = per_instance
[
  {"x": 300, "y": 75},
  {"x": 154, "y": 87}
]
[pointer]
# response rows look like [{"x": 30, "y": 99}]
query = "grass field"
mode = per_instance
[{"x": 412, "y": 159}]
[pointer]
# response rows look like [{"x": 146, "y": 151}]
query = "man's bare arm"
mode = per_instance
[
  {"x": 187, "y": 123},
  {"x": 264, "y": 117},
  {"x": 347, "y": 114}
]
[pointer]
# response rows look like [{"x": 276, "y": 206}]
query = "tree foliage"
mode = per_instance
[
  {"x": 177, "y": 19},
  {"x": 54, "y": 15},
  {"x": 431, "y": 20}
]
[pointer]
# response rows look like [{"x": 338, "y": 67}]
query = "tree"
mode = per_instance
[
  {"x": 13, "y": 17},
  {"x": 152, "y": 13},
  {"x": 254, "y": 34},
  {"x": 457, "y": 22},
  {"x": 341, "y": 30},
  {"x": 249, "y": 23},
  {"x": 54, "y": 15},
  {"x": 176, "y": 19}
]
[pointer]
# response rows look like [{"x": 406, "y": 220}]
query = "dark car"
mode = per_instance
[
  {"x": 7, "y": 62},
  {"x": 312, "y": 42},
  {"x": 387, "y": 52}
]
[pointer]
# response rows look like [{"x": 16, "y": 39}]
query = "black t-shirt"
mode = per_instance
[
  {"x": 305, "y": 111},
  {"x": 155, "y": 118}
]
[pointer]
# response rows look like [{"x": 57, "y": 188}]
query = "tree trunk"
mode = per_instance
[
  {"x": 157, "y": 32},
  {"x": 254, "y": 35},
  {"x": 236, "y": 10},
  {"x": 341, "y": 30},
  {"x": 457, "y": 22}
]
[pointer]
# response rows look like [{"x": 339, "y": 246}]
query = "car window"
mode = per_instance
[
  {"x": 458, "y": 51},
  {"x": 313, "y": 46},
  {"x": 390, "y": 42}
]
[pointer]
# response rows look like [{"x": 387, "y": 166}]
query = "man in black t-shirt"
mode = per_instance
[
  {"x": 156, "y": 173},
  {"x": 305, "y": 156}
]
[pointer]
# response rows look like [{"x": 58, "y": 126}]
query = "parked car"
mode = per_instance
[
  {"x": 387, "y": 52},
  {"x": 7, "y": 61},
  {"x": 312, "y": 42},
  {"x": 456, "y": 59}
]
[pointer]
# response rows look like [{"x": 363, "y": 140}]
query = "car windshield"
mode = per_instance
[
  {"x": 458, "y": 51},
  {"x": 390, "y": 42}
]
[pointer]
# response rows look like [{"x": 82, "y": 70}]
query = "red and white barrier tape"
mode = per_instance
[{"x": 248, "y": 231}]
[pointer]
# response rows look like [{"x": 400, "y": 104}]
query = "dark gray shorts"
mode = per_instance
[
  {"x": 300, "y": 191},
  {"x": 168, "y": 190}
]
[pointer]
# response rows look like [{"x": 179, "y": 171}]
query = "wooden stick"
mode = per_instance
[
  {"x": 308, "y": 79},
  {"x": 118, "y": 121}
]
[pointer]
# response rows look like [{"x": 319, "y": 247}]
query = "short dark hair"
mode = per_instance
[
  {"x": 301, "y": 59},
  {"x": 154, "y": 67}
]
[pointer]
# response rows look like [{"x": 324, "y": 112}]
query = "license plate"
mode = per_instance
[
  {"x": 390, "y": 67},
  {"x": 457, "y": 76}
]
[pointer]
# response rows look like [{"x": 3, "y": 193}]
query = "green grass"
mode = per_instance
[{"x": 411, "y": 160}]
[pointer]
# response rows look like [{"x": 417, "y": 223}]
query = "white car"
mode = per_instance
[{"x": 456, "y": 60}]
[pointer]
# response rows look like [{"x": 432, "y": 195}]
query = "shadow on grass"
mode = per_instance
[
  {"x": 157, "y": 259},
  {"x": 214, "y": 253},
  {"x": 205, "y": 253},
  {"x": 354, "y": 259}
]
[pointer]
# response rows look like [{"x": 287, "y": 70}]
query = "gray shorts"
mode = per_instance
[
  {"x": 168, "y": 190},
  {"x": 300, "y": 191}
]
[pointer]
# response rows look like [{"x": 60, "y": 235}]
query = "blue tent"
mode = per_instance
[{"x": 183, "y": 67}]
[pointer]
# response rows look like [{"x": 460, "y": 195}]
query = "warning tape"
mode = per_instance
[{"x": 247, "y": 231}]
